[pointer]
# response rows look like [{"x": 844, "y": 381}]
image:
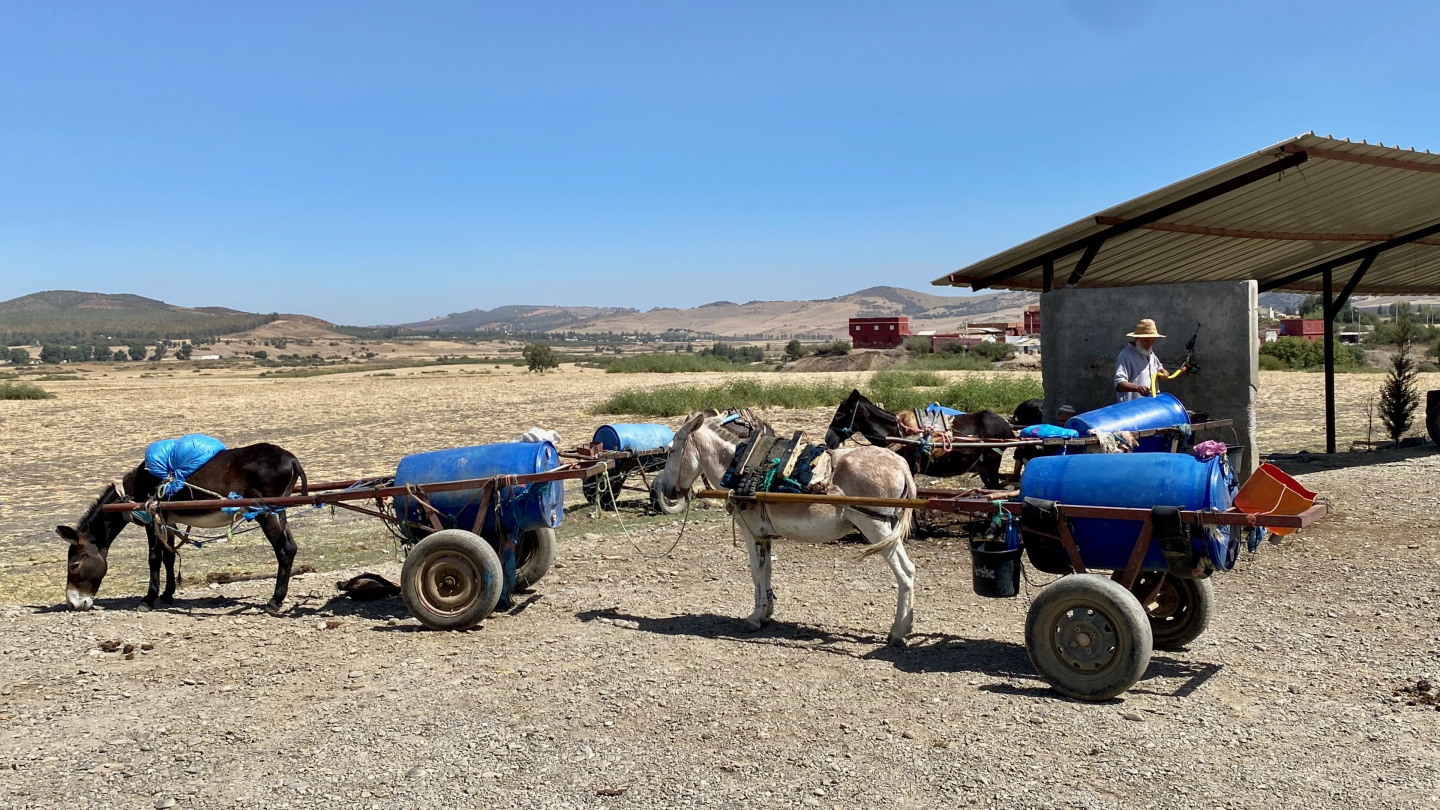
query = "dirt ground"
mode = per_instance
[{"x": 626, "y": 681}]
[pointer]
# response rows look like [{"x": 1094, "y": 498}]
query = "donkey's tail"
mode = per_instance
[
  {"x": 304, "y": 481},
  {"x": 902, "y": 526}
]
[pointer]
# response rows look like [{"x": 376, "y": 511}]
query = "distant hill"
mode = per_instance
[
  {"x": 70, "y": 316},
  {"x": 817, "y": 319},
  {"x": 516, "y": 319}
]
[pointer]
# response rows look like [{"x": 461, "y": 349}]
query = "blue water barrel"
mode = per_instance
[
  {"x": 1144, "y": 413},
  {"x": 1133, "y": 480},
  {"x": 520, "y": 509},
  {"x": 638, "y": 436}
]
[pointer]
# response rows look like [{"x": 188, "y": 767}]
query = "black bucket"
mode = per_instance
[{"x": 995, "y": 569}]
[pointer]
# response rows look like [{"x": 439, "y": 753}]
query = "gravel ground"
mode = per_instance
[{"x": 625, "y": 681}]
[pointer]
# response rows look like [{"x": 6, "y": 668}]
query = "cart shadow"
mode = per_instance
[
  {"x": 1302, "y": 463},
  {"x": 927, "y": 653}
]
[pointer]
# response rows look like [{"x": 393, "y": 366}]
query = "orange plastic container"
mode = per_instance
[{"x": 1270, "y": 491}]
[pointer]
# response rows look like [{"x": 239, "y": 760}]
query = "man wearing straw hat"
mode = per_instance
[{"x": 1137, "y": 365}]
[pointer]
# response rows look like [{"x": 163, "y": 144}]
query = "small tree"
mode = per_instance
[
  {"x": 919, "y": 344},
  {"x": 183, "y": 353},
  {"x": 20, "y": 357},
  {"x": 52, "y": 354},
  {"x": 540, "y": 357},
  {"x": 159, "y": 353},
  {"x": 1399, "y": 396},
  {"x": 137, "y": 351}
]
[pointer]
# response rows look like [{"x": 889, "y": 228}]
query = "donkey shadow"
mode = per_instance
[{"x": 926, "y": 652}]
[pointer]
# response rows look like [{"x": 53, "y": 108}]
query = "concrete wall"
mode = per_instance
[{"x": 1085, "y": 329}]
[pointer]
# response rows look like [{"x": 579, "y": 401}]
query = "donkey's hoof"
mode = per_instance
[
  {"x": 273, "y": 608},
  {"x": 144, "y": 607},
  {"x": 897, "y": 641},
  {"x": 751, "y": 624}
]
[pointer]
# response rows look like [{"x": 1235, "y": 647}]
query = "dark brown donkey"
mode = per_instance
[{"x": 255, "y": 471}]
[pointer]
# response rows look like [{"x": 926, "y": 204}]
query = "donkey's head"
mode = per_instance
[
  {"x": 89, "y": 541},
  {"x": 85, "y": 568},
  {"x": 682, "y": 466}
]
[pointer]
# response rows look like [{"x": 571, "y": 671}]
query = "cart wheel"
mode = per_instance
[
  {"x": 666, "y": 506},
  {"x": 1088, "y": 637},
  {"x": 1179, "y": 611},
  {"x": 451, "y": 580},
  {"x": 533, "y": 557}
]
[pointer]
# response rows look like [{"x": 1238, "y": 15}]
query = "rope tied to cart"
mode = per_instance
[{"x": 603, "y": 487}]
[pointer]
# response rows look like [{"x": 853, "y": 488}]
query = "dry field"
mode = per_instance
[{"x": 626, "y": 682}]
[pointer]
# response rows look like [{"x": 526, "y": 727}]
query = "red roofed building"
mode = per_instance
[{"x": 879, "y": 333}]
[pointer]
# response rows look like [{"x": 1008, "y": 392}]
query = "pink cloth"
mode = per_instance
[{"x": 1210, "y": 449}]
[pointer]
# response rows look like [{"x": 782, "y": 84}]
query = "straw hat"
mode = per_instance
[{"x": 1145, "y": 329}]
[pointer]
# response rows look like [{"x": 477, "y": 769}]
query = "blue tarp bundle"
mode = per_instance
[
  {"x": 1048, "y": 432},
  {"x": 936, "y": 407},
  {"x": 174, "y": 460}
]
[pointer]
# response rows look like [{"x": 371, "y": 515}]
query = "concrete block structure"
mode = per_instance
[
  {"x": 879, "y": 333},
  {"x": 1312, "y": 329},
  {"x": 1085, "y": 329}
]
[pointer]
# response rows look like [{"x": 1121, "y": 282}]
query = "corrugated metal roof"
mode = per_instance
[{"x": 1343, "y": 199}]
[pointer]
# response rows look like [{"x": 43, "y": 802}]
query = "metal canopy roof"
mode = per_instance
[{"x": 1285, "y": 215}]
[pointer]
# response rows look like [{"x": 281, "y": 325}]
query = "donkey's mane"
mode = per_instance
[
  {"x": 737, "y": 430},
  {"x": 107, "y": 495}
]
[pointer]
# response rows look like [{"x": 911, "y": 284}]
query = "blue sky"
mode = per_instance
[{"x": 388, "y": 162}]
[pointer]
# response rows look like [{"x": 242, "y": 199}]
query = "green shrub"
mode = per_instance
[
  {"x": 1298, "y": 353},
  {"x": 682, "y": 400},
  {"x": 11, "y": 390},
  {"x": 946, "y": 361},
  {"x": 735, "y": 354},
  {"x": 839, "y": 348},
  {"x": 897, "y": 390},
  {"x": 919, "y": 344},
  {"x": 673, "y": 363},
  {"x": 993, "y": 351},
  {"x": 1269, "y": 362}
]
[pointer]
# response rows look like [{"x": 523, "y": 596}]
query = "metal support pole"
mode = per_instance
[{"x": 1328, "y": 309}]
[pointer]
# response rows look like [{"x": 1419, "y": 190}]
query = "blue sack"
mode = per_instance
[
  {"x": 174, "y": 460},
  {"x": 1048, "y": 432}
]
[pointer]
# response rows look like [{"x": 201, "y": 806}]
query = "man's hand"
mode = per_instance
[{"x": 1133, "y": 388}]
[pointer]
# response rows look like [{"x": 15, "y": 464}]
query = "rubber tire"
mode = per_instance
[
  {"x": 665, "y": 506},
  {"x": 1197, "y": 604},
  {"x": 533, "y": 557},
  {"x": 480, "y": 556},
  {"x": 1111, "y": 601}
]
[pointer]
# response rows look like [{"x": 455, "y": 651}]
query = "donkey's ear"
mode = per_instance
[
  {"x": 70, "y": 535},
  {"x": 694, "y": 422}
]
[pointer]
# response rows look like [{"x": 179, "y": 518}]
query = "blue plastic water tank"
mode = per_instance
[
  {"x": 1133, "y": 480},
  {"x": 520, "y": 509},
  {"x": 637, "y": 436},
  {"x": 1145, "y": 413}
]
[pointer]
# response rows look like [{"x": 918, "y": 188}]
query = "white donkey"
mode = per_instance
[{"x": 704, "y": 446}]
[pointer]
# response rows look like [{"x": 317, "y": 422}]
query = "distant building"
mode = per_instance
[
  {"x": 1311, "y": 329},
  {"x": 879, "y": 333},
  {"x": 1001, "y": 327},
  {"x": 207, "y": 357},
  {"x": 1032, "y": 320}
]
